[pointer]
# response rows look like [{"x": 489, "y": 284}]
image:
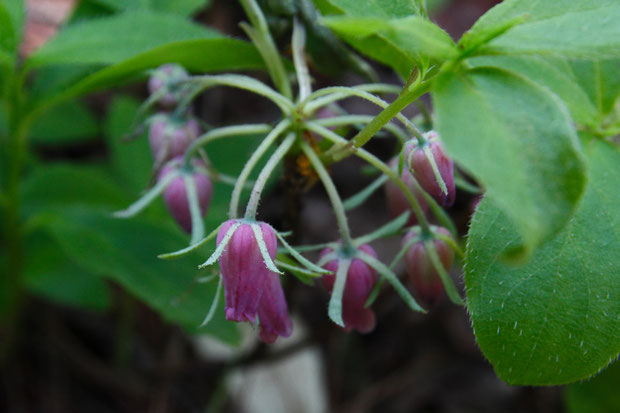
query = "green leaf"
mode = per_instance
[
  {"x": 518, "y": 140},
  {"x": 74, "y": 205},
  {"x": 53, "y": 186},
  {"x": 4, "y": 122},
  {"x": 557, "y": 319},
  {"x": 375, "y": 46},
  {"x": 8, "y": 39},
  {"x": 413, "y": 35},
  {"x": 382, "y": 51},
  {"x": 131, "y": 159},
  {"x": 599, "y": 395},
  {"x": 113, "y": 39},
  {"x": 554, "y": 74},
  {"x": 126, "y": 251},
  {"x": 577, "y": 28},
  {"x": 53, "y": 80},
  {"x": 66, "y": 123},
  {"x": 369, "y": 8},
  {"x": 601, "y": 81},
  {"x": 181, "y": 7},
  {"x": 88, "y": 10},
  {"x": 15, "y": 10},
  {"x": 49, "y": 273},
  {"x": 202, "y": 55}
]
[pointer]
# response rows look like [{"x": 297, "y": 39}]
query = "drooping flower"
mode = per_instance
[
  {"x": 175, "y": 194},
  {"x": 361, "y": 278},
  {"x": 166, "y": 80},
  {"x": 396, "y": 201},
  {"x": 423, "y": 275},
  {"x": 421, "y": 167},
  {"x": 245, "y": 273},
  {"x": 273, "y": 312},
  {"x": 170, "y": 137}
]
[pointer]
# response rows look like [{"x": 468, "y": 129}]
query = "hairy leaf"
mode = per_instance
[
  {"x": 372, "y": 42},
  {"x": 517, "y": 139},
  {"x": 601, "y": 81},
  {"x": 557, "y": 319},
  {"x": 555, "y": 74},
  {"x": 577, "y": 28},
  {"x": 413, "y": 36}
]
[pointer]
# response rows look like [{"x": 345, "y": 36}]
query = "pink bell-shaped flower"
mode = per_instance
[
  {"x": 246, "y": 276},
  {"x": 361, "y": 279},
  {"x": 175, "y": 194},
  {"x": 273, "y": 312},
  {"x": 423, "y": 275},
  {"x": 166, "y": 80},
  {"x": 170, "y": 137},
  {"x": 396, "y": 201},
  {"x": 422, "y": 169}
]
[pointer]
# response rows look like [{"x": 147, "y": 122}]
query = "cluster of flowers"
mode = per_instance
[
  {"x": 427, "y": 164},
  {"x": 246, "y": 249},
  {"x": 171, "y": 132}
]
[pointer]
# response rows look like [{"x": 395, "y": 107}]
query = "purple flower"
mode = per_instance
[
  {"x": 422, "y": 169},
  {"x": 166, "y": 80},
  {"x": 423, "y": 275},
  {"x": 169, "y": 137},
  {"x": 361, "y": 278},
  {"x": 396, "y": 201},
  {"x": 175, "y": 194},
  {"x": 245, "y": 274},
  {"x": 273, "y": 311}
]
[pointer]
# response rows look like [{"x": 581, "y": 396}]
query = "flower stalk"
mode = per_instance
[
  {"x": 261, "y": 181},
  {"x": 332, "y": 193},
  {"x": 261, "y": 37},
  {"x": 251, "y": 163}
]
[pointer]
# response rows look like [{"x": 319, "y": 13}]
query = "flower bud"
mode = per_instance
[
  {"x": 424, "y": 277},
  {"x": 361, "y": 278},
  {"x": 421, "y": 167},
  {"x": 246, "y": 277},
  {"x": 166, "y": 80},
  {"x": 396, "y": 201},
  {"x": 273, "y": 311},
  {"x": 169, "y": 137},
  {"x": 175, "y": 194}
]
